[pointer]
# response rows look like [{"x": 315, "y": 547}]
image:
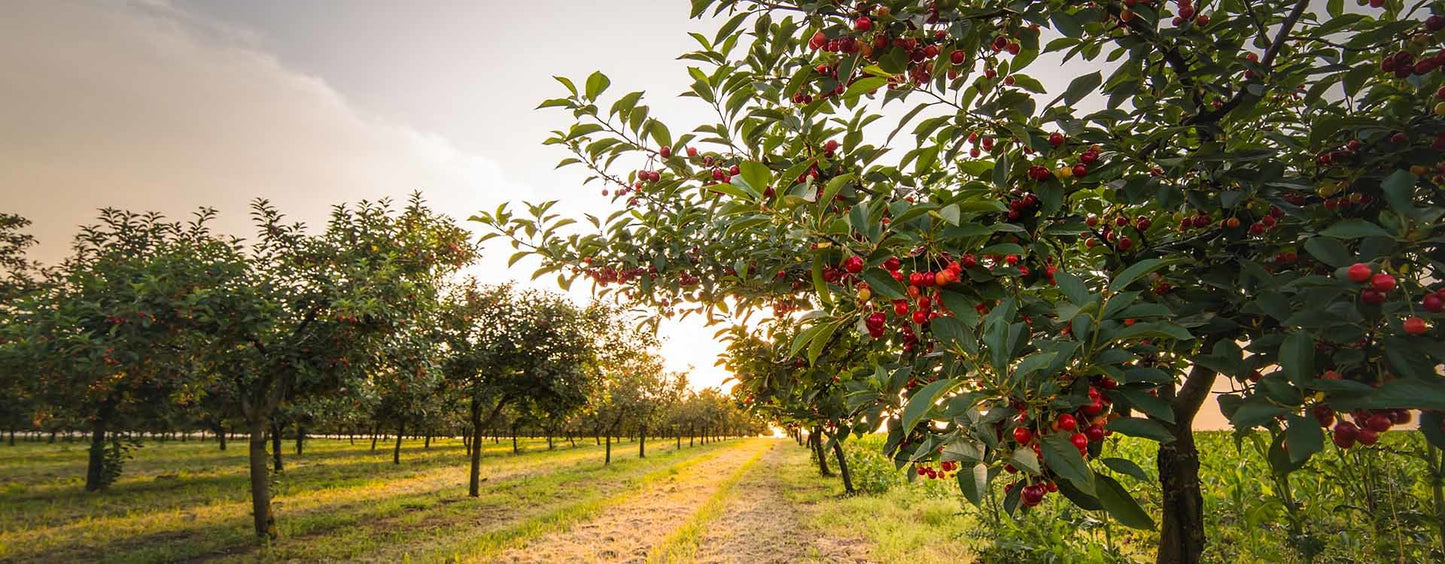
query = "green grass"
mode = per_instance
[{"x": 338, "y": 501}]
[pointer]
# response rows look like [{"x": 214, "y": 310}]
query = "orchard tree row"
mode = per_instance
[
  {"x": 362, "y": 326},
  {"x": 1002, "y": 274}
]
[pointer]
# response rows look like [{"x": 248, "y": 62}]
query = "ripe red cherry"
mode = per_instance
[
  {"x": 1089, "y": 157},
  {"x": 1379, "y": 423},
  {"x": 665, "y": 151},
  {"x": 876, "y": 319},
  {"x": 1324, "y": 415},
  {"x": 1367, "y": 437},
  {"x": 1433, "y": 303},
  {"x": 863, "y": 23},
  {"x": 1125, "y": 243},
  {"x": 1435, "y": 23},
  {"x": 1066, "y": 422},
  {"x": 956, "y": 57},
  {"x": 853, "y": 264},
  {"x": 1056, "y": 139},
  {"x": 1080, "y": 440},
  {"x": 1372, "y": 297},
  {"x": 920, "y": 317},
  {"x": 1416, "y": 326},
  {"x": 1360, "y": 272},
  {"x": 1095, "y": 433},
  {"x": 1032, "y": 495},
  {"x": 892, "y": 264},
  {"x": 1022, "y": 435},
  {"x": 1382, "y": 282},
  {"x": 1345, "y": 434},
  {"x": 900, "y": 307}
]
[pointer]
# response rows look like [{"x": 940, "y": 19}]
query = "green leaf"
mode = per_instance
[
  {"x": 864, "y": 86},
  {"x": 1082, "y": 86},
  {"x": 1061, "y": 457},
  {"x": 820, "y": 340},
  {"x": 1297, "y": 358},
  {"x": 756, "y": 174},
  {"x": 884, "y": 284},
  {"x": 596, "y": 84},
  {"x": 1142, "y": 428},
  {"x": 1025, "y": 459},
  {"x": 1399, "y": 393},
  {"x": 973, "y": 482},
  {"x": 1126, "y": 467},
  {"x": 1254, "y": 413},
  {"x": 1304, "y": 438},
  {"x": 1399, "y": 190},
  {"x": 1136, "y": 271},
  {"x": 923, "y": 400},
  {"x": 1329, "y": 251},
  {"x": 1355, "y": 229},
  {"x": 951, "y": 333},
  {"x": 831, "y": 190},
  {"x": 1121, "y": 505},
  {"x": 1072, "y": 287}
]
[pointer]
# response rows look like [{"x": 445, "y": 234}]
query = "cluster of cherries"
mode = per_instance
[
  {"x": 1111, "y": 230},
  {"x": 945, "y": 469},
  {"x": 1024, "y": 206},
  {"x": 1187, "y": 14},
  {"x": 1032, "y": 494},
  {"x": 1367, "y": 425},
  {"x": 1085, "y": 426},
  {"x": 605, "y": 275},
  {"x": 1380, "y": 284}
]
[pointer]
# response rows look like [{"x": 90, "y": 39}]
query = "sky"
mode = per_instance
[{"x": 174, "y": 105}]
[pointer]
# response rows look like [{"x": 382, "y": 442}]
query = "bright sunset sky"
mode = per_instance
[{"x": 171, "y": 105}]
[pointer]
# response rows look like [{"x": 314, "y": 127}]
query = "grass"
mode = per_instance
[
  {"x": 338, "y": 501},
  {"x": 682, "y": 544}
]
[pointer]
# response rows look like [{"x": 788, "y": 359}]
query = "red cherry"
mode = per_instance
[
  {"x": 1095, "y": 433},
  {"x": 1081, "y": 170},
  {"x": 853, "y": 264},
  {"x": 1379, "y": 423},
  {"x": 1345, "y": 434},
  {"x": 1360, "y": 272},
  {"x": 1022, "y": 435},
  {"x": 1066, "y": 422},
  {"x": 1372, "y": 297},
  {"x": 1125, "y": 243},
  {"x": 1433, "y": 303},
  {"x": 892, "y": 264},
  {"x": 1382, "y": 282},
  {"x": 1080, "y": 440},
  {"x": 863, "y": 24},
  {"x": 1367, "y": 437},
  {"x": 1056, "y": 139},
  {"x": 1416, "y": 326},
  {"x": 920, "y": 317},
  {"x": 1032, "y": 495},
  {"x": 956, "y": 57}
]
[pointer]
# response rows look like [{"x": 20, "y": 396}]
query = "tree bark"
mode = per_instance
[
  {"x": 95, "y": 469},
  {"x": 514, "y": 440},
  {"x": 374, "y": 436},
  {"x": 608, "y": 460},
  {"x": 300, "y": 437},
  {"x": 264, "y": 521},
  {"x": 396, "y": 452},
  {"x": 474, "y": 489},
  {"x": 12, "y": 437},
  {"x": 815, "y": 440},
  {"x": 221, "y": 435},
  {"x": 1181, "y": 530},
  {"x": 843, "y": 466},
  {"x": 642, "y": 443},
  {"x": 276, "y": 447}
]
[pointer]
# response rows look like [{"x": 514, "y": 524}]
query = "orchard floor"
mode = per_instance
[{"x": 742, "y": 500}]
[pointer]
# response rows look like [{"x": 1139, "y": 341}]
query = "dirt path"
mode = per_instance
[
  {"x": 760, "y": 525},
  {"x": 629, "y": 530}
]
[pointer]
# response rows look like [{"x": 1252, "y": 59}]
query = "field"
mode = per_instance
[{"x": 741, "y": 500}]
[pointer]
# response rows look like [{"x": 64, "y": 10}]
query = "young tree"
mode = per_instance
[
  {"x": 109, "y": 334},
  {"x": 17, "y": 279},
  {"x": 1068, "y": 263},
  {"x": 315, "y": 313}
]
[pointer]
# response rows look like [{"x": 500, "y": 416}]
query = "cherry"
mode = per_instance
[
  {"x": 1372, "y": 297},
  {"x": 1378, "y": 423},
  {"x": 1433, "y": 303},
  {"x": 1056, "y": 139},
  {"x": 1022, "y": 435},
  {"x": 1125, "y": 243},
  {"x": 1382, "y": 282},
  {"x": 900, "y": 307},
  {"x": 665, "y": 151},
  {"x": 1367, "y": 437},
  {"x": 863, "y": 24},
  {"x": 956, "y": 57},
  {"x": 1416, "y": 326},
  {"x": 1324, "y": 414},
  {"x": 920, "y": 317},
  {"x": 1081, "y": 170},
  {"x": 1095, "y": 433},
  {"x": 1345, "y": 434},
  {"x": 1066, "y": 422},
  {"x": 892, "y": 264},
  {"x": 1435, "y": 23},
  {"x": 853, "y": 264},
  {"x": 1032, "y": 495},
  {"x": 1360, "y": 272}
]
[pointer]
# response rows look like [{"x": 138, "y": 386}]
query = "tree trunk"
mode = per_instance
[
  {"x": 474, "y": 489},
  {"x": 608, "y": 460},
  {"x": 261, "y": 483},
  {"x": 396, "y": 451},
  {"x": 642, "y": 443},
  {"x": 815, "y": 441},
  {"x": 843, "y": 466},
  {"x": 1181, "y": 531},
  {"x": 514, "y": 440},
  {"x": 374, "y": 437},
  {"x": 12, "y": 437},
  {"x": 571, "y": 441},
  {"x": 427, "y": 445},
  {"x": 95, "y": 469},
  {"x": 221, "y": 435},
  {"x": 691, "y": 435},
  {"x": 276, "y": 447},
  {"x": 300, "y": 438}
]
